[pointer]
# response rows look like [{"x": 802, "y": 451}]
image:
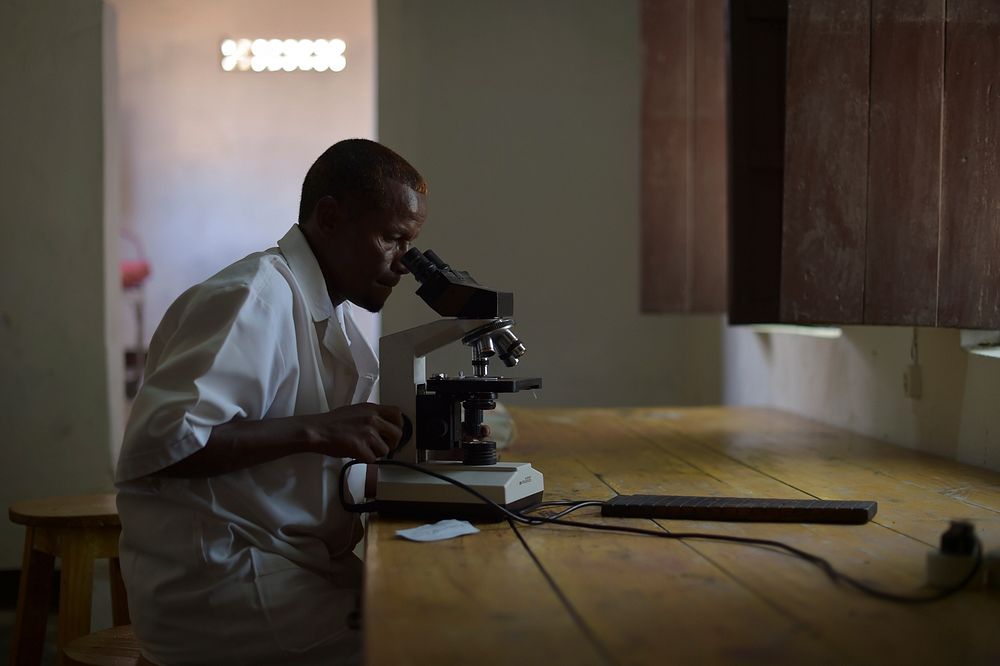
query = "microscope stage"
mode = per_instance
[{"x": 408, "y": 493}]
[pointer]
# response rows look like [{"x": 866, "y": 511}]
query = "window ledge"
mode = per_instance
[{"x": 789, "y": 329}]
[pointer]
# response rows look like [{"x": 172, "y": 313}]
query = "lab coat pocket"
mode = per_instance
[{"x": 302, "y": 608}]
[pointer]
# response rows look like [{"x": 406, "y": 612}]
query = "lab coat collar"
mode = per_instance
[{"x": 306, "y": 269}]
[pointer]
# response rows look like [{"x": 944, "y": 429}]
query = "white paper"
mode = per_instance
[{"x": 445, "y": 529}]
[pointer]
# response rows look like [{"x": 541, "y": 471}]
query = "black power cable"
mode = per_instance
[{"x": 573, "y": 505}]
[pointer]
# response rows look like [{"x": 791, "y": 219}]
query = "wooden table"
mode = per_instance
[{"x": 559, "y": 595}]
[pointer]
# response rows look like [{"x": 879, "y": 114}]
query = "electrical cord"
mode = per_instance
[{"x": 573, "y": 505}]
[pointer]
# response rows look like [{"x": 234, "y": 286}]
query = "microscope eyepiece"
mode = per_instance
[
  {"x": 421, "y": 267},
  {"x": 436, "y": 260}
]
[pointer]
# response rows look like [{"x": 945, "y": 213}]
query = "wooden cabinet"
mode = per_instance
[
  {"x": 864, "y": 157},
  {"x": 683, "y": 197}
]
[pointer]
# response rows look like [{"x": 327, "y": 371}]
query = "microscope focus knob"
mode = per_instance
[
  {"x": 407, "y": 431},
  {"x": 437, "y": 428}
]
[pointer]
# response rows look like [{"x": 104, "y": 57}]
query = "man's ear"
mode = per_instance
[{"x": 328, "y": 214}]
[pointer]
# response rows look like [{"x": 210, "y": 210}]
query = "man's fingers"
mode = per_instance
[
  {"x": 390, "y": 413},
  {"x": 389, "y": 431},
  {"x": 380, "y": 448},
  {"x": 395, "y": 434}
]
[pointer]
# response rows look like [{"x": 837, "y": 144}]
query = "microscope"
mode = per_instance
[{"x": 446, "y": 413}]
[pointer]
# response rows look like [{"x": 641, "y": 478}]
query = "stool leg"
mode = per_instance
[
  {"x": 33, "y": 598},
  {"x": 119, "y": 598},
  {"x": 75, "y": 590}
]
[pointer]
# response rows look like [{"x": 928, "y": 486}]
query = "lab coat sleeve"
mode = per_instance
[{"x": 223, "y": 359}]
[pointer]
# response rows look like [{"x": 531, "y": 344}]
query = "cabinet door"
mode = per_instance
[
  {"x": 757, "y": 50},
  {"x": 904, "y": 162},
  {"x": 684, "y": 163},
  {"x": 708, "y": 191},
  {"x": 664, "y": 146},
  {"x": 969, "y": 292},
  {"x": 890, "y": 175},
  {"x": 826, "y": 160}
]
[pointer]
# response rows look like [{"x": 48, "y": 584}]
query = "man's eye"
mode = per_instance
[{"x": 396, "y": 242}]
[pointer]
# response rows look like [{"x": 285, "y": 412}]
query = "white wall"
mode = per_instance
[
  {"x": 213, "y": 161},
  {"x": 524, "y": 118},
  {"x": 856, "y": 382},
  {"x": 60, "y": 388}
]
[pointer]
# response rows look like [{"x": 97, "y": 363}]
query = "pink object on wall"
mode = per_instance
[{"x": 134, "y": 272}]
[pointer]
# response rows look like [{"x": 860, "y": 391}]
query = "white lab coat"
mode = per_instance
[{"x": 254, "y": 566}]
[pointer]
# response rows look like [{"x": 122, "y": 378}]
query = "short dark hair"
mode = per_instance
[{"x": 356, "y": 172}]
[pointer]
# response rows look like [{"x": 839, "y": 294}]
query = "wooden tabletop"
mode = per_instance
[{"x": 560, "y": 595}]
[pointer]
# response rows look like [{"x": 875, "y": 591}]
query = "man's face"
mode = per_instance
[{"x": 366, "y": 261}]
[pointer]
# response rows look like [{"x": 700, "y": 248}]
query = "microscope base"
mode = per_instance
[{"x": 407, "y": 493}]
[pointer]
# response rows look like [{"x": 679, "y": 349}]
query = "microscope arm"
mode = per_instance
[{"x": 402, "y": 359}]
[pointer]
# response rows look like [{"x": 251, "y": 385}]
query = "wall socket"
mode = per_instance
[{"x": 913, "y": 384}]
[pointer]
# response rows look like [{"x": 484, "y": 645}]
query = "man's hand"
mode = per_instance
[{"x": 365, "y": 431}]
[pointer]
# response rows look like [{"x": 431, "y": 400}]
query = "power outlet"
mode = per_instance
[{"x": 913, "y": 384}]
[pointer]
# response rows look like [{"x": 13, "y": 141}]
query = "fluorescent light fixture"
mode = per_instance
[
  {"x": 789, "y": 329},
  {"x": 981, "y": 343},
  {"x": 287, "y": 55}
]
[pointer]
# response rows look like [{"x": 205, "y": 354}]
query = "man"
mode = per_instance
[{"x": 235, "y": 548}]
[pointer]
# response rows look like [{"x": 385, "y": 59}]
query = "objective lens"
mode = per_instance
[
  {"x": 510, "y": 348},
  {"x": 483, "y": 347}
]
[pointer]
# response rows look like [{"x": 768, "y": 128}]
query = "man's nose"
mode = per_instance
[{"x": 397, "y": 264}]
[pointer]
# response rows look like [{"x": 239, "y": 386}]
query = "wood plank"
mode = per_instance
[
  {"x": 887, "y": 558},
  {"x": 34, "y": 599},
  {"x": 709, "y": 170},
  {"x": 639, "y": 594},
  {"x": 826, "y": 158},
  {"x": 757, "y": 42},
  {"x": 904, "y": 162},
  {"x": 443, "y": 602},
  {"x": 925, "y": 472},
  {"x": 76, "y": 584},
  {"x": 81, "y": 511},
  {"x": 117, "y": 646},
  {"x": 833, "y": 464},
  {"x": 839, "y": 617},
  {"x": 970, "y": 221},
  {"x": 665, "y": 151}
]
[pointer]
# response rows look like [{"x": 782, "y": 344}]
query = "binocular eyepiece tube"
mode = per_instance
[{"x": 423, "y": 265}]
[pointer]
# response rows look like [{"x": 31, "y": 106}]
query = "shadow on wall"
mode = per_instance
[{"x": 859, "y": 381}]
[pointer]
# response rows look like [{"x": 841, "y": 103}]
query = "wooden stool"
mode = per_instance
[
  {"x": 77, "y": 530},
  {"x": 116, "y": 646}
]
